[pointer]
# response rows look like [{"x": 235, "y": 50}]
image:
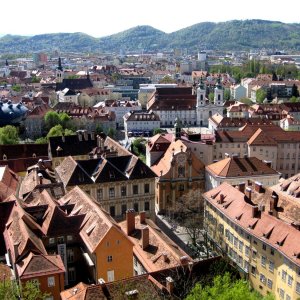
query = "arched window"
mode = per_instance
[
  {"x": 219, "y": 97},
  {"x": 181, "y": 171}
]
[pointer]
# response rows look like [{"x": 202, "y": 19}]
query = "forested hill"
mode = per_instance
[{"x": 231, "y": 35}]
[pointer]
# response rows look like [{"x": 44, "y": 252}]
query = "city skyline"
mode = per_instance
[{"x": 100, "y": 19}]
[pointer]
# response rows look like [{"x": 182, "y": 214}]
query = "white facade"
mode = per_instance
[
  {"x": 67, "y": 96},
  {"x": 238, "y": 92}
]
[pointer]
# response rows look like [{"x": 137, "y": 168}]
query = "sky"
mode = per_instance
[{"x": 101, "y": 17}]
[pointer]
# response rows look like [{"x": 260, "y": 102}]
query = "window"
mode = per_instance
[
  {"x": 51, "y": 241},
  {"x": 241, "y": 245},
  {"x": 60, "y": 240},
  {"x": 181, "y": 187},
  {"x": 262, "y": 278},
  {"x": 69, "y": 238},
  {"x": 263, "y": 261},
  {"x": 147, "y": 206},
  {"x": 109, "y": 258},
  {"x": 290, "y": 280},
  {"x": 99, "y": 194},
  {"x": 272, "y": 251},
  {"x": 288, "y": 297},
  {"x": 269, "y": 283},
  {"x": 247, "y": 251},
  {"x": 254, "y": 253},
  {"x": 70, "y": 255},
  {"x": 123, "y": 191},
  {"x": 298, "y": 287},
  {"x": 112, "y": 211},
  {"x": 281, "y": 293},
  {"x": 264, "y": 246},
  {"x": 71, "y": 274},
  {"x": 124, "y": 209},
  {"x": 111, "y": 192},
  {"x": 181, "y": 171},
  {"x": 51, "y": 281},
  {"x": 146, "y": 188},
  {"x": 271, "y": 266},
  {"x": 136, "y": 207},
  {"x": 135, "y": 189},
  {"x": 253, "y": 270},
  {"x": 283, "y": 275}
]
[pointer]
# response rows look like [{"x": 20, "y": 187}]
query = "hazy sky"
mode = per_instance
[{"x": 101, "y": 17}]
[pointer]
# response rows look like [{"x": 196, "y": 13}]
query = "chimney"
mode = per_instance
[
  {"x": 40, "y": 164},
  {"x": 258, "y": 187},
  {"x": 248, "y": 193},
  {"x": 165, "y": 256},
  {"x": 273, "y": 205},
  {"x": 170, "y": 285},
  {"x": 242, "y": 186},
  {"x": 143, "y": 217},
  {"x": 296, "y": 225},
  {"x": 130, "y": 220},
  {"x": 268, "y": 163},
  {"x": 79, "y": 135},
  {"x": 226, "y": 155},
  {"x": 255, "y": 211},
  {"x": 221, "y": 200},
  {"x": 184, "y": 260},
  {"x": 40, "y": 176},
  {"x": 145, "y": 237},
  {"x": 63, "y": 138},
  {"x": 86, "y": 135}
]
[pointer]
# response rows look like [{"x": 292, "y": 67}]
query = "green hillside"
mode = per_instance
[{"x": 231, "y": 35}]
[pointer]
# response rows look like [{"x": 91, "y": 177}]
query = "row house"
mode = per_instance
[
  {"x": 140, "y": 122},
  {"x": 255, "y": 238},
  {"x": 266, "y": 142},
  {"x": 235, "y": 170},
  {"x": 116, "y": 179}
]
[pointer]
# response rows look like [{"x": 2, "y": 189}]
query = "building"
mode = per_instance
[
  {"x": 117, "y": 179},
  {"x": 140, "y": 122},
  {"x": 9, "y": 182},
  {"x": 260, "y": 244},
  {"x": 179, "y": 174},
  {"x": 152, "y": 250},
  {"x": 237, "y": 92},
  {"x": 235, "y": 170}
]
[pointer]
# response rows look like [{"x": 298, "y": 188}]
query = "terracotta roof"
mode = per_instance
[
  {"x": 137, "y": 116},
  {"x": 40, "y": 265},
  {"x": 8, "y": 182},
  {"x": 161, "y": 253},
  {"x": 97, "y": 222},
  {"x": 164, "y": 163},
  {"x": 282, "y": 237},
  {"x": 235, "y": 167},
  {"x": 261, "y": 138},
  {"x": 160, "y": 142}
]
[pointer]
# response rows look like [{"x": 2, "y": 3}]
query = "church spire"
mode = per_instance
[
  {"x": 59, "y": 64},
  {"x": 6, "y": 63}
]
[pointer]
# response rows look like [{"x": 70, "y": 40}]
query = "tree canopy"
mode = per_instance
[
  {"x": 58, "y": 130},
  {"x": 9, "y": 135},
  {"x": 224, "y": 287}
]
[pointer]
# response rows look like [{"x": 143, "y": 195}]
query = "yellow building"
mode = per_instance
[{"x": 262, "y": 246}]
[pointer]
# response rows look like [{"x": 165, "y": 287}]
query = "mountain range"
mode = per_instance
[{"x": 231, "y": 35}]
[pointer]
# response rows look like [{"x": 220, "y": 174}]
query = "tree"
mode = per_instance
[
  {"x": 111, "y": 132},
  {"x": 167, "y": 79},
  {"x": 157, "y": 130},
  {"x": 9, "y": 135},
  {"x": 246, "y": 101},
  {"x": 16, "y": 88},
  {"x": 41, "y": 140},
  {"x": 64, "y": 119},
  {"x": 261, "y": 95},
  {"x": 211, "y": 97},
  {"x": 227, "y": 94},
  {"x": 225, "y": 288},
  {"x": 9, "y": 290},
  {"x": 59, "y": 131},
  {"x": 295, "y": 91},
  {"x": 51, "y": 119}
]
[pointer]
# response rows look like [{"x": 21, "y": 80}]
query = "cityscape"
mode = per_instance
[{"x": 151, "y": 165}]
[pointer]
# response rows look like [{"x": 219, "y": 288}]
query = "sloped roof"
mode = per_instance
[
  {"x": 39, "y": 265},
  {"x": 236, "y": 166},
  {"x": 282, "y": 237},
  {"x": 261, "y": 138}
]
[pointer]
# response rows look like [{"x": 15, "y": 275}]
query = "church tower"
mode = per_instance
[
  {"x": 59, "y": 72},
  {"x": 201, "y": 91},
  {"x": 219, "y": 94},
  {"x": 177, "y": 127}
]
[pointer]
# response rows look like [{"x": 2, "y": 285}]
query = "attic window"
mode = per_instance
[
  {"x": 77, "y": 210},
  {"x": 4, "y": 157},
  {"x": 132, "y": 293},
  {"x": 111, "y": 174},
  {"x": 91, "y": 228}
]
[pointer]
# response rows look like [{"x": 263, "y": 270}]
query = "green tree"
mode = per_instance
[
  {"x": 211, "y": 97},
  {"x": 157, "y": 130},
  {"x": 246, "y": 101},
  {"x": 98, "y": 129},
  {"x": 261, "y": 95},
  {"x": 225, "y": 288},
  {"x": 227, "y": 94},
  {"x": 31, "y": 291},
  {"x": 51, "y": 119},
  {"x": 41, "y": 140},
  {"x": 111, "y": 132},
  {"x": 167, "y": 79},
  {"x": 9, "y": 135},
  {"x": 16, "y": 88},
  {"x": 64, "y": 119},
  {"x": 35, "y": 79},
  {"x": 59, "y": 131}
]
